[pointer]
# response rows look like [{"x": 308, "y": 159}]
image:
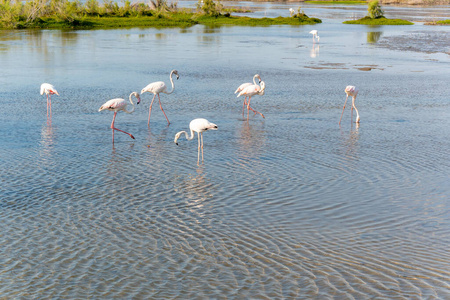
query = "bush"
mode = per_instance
[
  {"x": 209, "y": 7},
  {"x": 374, "y": 9}
]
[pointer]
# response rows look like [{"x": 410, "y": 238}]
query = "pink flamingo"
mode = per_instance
[
  {"x": 156, "y": 88},
  {"x": 350, "y": 90},
  {"x": 315, "y": 34},
  {"x": 116, "y": 105},
  {"x": 252, "y": 90},
  {"x": 198, "y": 125},
  {"x": 243, "y": 86},
  {"x": 49, "y": 90}
]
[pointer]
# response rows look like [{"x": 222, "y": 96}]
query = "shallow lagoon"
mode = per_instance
[{"x": 291, "y": 206}]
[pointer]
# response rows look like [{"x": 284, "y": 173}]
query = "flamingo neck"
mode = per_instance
[
  {"x": 132, "y": 110},
  {"x": 171, "y": 81}
]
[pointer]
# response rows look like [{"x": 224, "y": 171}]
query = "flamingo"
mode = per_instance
[
  {"x": 315, "y": 34},
  {"x": 252, "y": 90},
  {"x": 48, "y": 89},
  {"x": 198, "y": 125},
  {"x": 350, "y": 90},
  {"x": 116, "y": 105},
  {"x": 156, "y": 88},
  {"x": 291, "y": 11},
  {"x": 243, "y": 86}
]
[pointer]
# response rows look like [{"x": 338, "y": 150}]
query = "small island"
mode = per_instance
[
  {"x": 67, "y": 14},
  {"x": 376, "y": 17}
]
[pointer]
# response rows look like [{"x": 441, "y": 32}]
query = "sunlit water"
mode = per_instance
[{"x": 290, "y": 206}]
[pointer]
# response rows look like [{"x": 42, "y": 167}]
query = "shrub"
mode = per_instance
[
  {"x": 374, "y": 9},
  {"x": 209, "y": 7}
]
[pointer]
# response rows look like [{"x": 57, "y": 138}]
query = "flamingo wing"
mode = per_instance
[
  {"x": 250, "y": 90},
  {"x": 155, "y": 87},
  {"x": 48, "y": 88},
  {"x": 242, "y": 86},
  {"x": 113, "y": 104}
]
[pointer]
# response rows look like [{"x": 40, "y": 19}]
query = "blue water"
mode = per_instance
[{"x": 290, "y": 206}]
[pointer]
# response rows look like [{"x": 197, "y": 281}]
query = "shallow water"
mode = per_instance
[{"x": 290, "y": 206}]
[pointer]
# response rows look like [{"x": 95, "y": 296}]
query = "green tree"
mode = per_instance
[{"x": 374, "y": 9}]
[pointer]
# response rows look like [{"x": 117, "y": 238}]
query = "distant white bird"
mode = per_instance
[
  {"x": 156, "y": 88},
  {"x": 244, "y": 85},
  {"x": 116, "y": 105},
  {"x": 315, "y": 34},
  {"x": 291, "y": 11},
  {"x": 252, "y": 90},
  {"x": 197, "y": 125},
  {"x": 49, "y": 90},
  {"x": 350, "y": 90}
]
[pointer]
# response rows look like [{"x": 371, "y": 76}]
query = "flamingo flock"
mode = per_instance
[{"x": 199, "y": 125}]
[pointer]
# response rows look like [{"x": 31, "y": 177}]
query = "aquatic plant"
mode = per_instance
[{"x": 374, "y": 9}]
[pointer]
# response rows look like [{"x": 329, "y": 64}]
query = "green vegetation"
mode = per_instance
[
  {"x": 442, "y": 22},
  {"x": 337, "y": 2},
  {"x": 374, "y": 9},
  {"x": 376, "y": 17},
  {"x": 157, "y": 13},
  {"x": 379, "y": 21}
]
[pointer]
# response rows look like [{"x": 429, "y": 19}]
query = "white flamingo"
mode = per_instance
[
  {"x": 197, "y": 125},
  {"x": 244, "y": 85},
  {"x": 116, "y": 105},
  {"x": 49, "y": 90},
  {"x": 315, "y": 34},
  {"x": 252, "y": 90},
  {"x": 159, "y": 87},
  {"x": 352, "y": 91}
]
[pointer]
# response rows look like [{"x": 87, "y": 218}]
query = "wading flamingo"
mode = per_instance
[
  {"x": 48, "y": 89},
  {"x": 159, "y": 87},
  {"x": 252, "y": 90},
  {"x": 315, "y": 34},
  {"x": 243, "y": 86},
  {"x": 117, "y": 105},
  {"x": 350, "y": 90},
  {"x": 198, "y": 125}
]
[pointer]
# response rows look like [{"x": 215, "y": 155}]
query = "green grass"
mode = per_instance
[
  {"x": 379, "y": 21},
  {"x": 247, "y": 21},
  {"x": 338, "y": 2},
  {"x": 442, "y": 22},
  {"x": 161, "y": 20}
]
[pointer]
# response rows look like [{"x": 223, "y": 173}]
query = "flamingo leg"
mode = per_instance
[
  {"x": 198, "y": 152},
  {"x": 160, "y": 106},
  {"x": 114, "y": 128},
  {"x": 150, "y": 110},
  {"x": 202, "y": 145},
  {"x": 343, "y": 110},
  {"x": 248, "y": 107}
]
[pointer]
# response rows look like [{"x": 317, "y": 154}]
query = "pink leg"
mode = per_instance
[
  {"x": 198, "y": 152},
  {"x": 114, "y": 128},
  {"x": 202, "y": 145},
  {"x": 160, "y": 106},
  {"x": 150, "y": 110},
  {"x": 343, "y": 110},
  {"x": 248, "y": 107}
]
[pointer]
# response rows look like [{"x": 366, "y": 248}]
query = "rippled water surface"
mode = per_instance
[{"x": 290, "y": 206}]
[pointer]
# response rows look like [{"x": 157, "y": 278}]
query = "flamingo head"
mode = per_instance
[
  {"x": 263, "y": 88},
  {"x": 176, "y": 73},
  {"x": 135, "y": 94},
  {"x": 259, "y": 78}
]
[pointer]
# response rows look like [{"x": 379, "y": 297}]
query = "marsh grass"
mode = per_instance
[
  {"x": 379, "y": 21},
  {"x": 158, "y": 13},
  {"x": 442, "y": 22},
  {"x": 337, "y": 2}
]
